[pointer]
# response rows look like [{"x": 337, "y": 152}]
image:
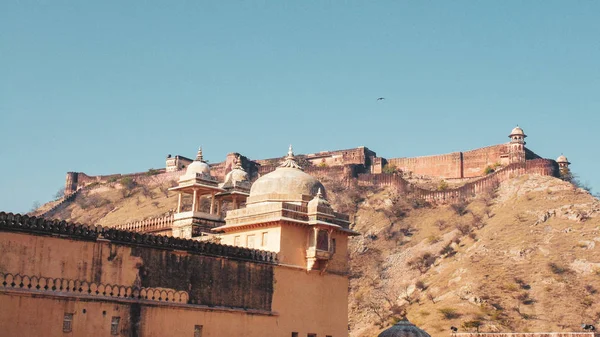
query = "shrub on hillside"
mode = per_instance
[
  {"x": 441, "y": 224},
  {"x": 449, "y": 313},
  {"x": 128, "y": 185},
  {"x": 472, "y": 324},
  {"x": 460, "y": 207},
  {"x": 423, "y": 262},
  {"x": 464, "y": 228},
  {"x": 389, "y": 169},
  {"x": 417, "y": 203},
  {"x": 442, "y": 186},
  {"x": 447, "y": 251},
  {"x": 152, "y": 172},
  {"x": 558, "y": 269},
  {"x": 488, "y": 169}
]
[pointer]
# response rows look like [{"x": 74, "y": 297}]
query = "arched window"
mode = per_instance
[{"x": 323, "y": 240}]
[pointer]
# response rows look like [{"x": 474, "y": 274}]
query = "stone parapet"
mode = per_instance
[
  {"x": 76, "y": 288},
  {"x": 278, "y": 211},
  {"x": 34, "y": 225}
]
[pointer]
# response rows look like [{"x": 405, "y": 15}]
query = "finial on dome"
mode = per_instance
[
  {"x": 319, "y": 194},
  {"x": 290, "y": 160},
  {"x": 238, "y": 163},
  {"x": 199, "y": 156}
]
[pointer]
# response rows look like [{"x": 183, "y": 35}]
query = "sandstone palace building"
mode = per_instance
[{"x": 280, "y": 269}]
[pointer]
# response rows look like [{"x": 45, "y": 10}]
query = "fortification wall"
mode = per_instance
[
  {"x": 78, "y": 180},
  {"x": 475, "y": 161},
  {"x": 445, "y": 165},
  {"x": 537, "y": 167}
]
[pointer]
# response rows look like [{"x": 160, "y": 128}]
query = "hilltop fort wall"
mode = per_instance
[
  {"x": 447, "y": 165},
  {"x": 468, "y": 167},
  {"x": 536, "y": 167}
]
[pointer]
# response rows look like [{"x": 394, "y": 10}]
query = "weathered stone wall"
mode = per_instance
[
  {"x": 78, "y": 180},
  {"x": 466, "y": 164},
  {"x": 52, "y": 249},
  {"x": 537, "y": 166},
  {"x": 475, "y": 161},
  {"x": 445, "y": 165}
]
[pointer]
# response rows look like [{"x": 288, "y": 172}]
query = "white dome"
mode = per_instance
[
  {"x": 287, "y": 183},
  {"x": 517, "y": 132},
  {"x": 562, "y": 159},
  {"x": 198, "y": 166}
]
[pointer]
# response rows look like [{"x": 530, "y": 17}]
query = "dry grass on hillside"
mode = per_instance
[
  {"x": 528, "y": 263},
  {"x": 113, "y": 203}
]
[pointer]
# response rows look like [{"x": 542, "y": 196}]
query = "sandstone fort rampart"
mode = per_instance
[{"x": 475, "y": 169}]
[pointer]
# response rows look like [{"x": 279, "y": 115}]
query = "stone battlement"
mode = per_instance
[{"x": 24, "y": 223}]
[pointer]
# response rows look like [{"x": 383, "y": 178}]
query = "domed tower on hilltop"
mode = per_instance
[
  {"x": 563, "y": 162},
  {"x": 286, "y": 212},
  {"x": 517, "y": 145},
  {"x": 563, "y": 168}
]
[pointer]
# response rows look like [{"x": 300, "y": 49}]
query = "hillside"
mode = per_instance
[{"x": 522, "y": 257}]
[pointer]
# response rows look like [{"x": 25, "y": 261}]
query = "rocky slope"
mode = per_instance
[{"x": 519, "y": 258}]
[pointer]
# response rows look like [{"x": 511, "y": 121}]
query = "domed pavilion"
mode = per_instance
[
  {"x": 197, "y": 182},
  {"x": 287, "y": 212}
]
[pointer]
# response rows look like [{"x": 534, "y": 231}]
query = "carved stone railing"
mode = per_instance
[
  {"x": 24, "y": 223},
  {"x": 62, "y": 286},
  {"x": 281, "y": 211},
  {"x": 148, "y": 225}
]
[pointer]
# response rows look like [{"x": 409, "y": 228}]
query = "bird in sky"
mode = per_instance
[{"x": 381, "y": 98}]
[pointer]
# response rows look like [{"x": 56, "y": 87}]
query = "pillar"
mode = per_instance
[
  {"x": 195, "y": 202},
  {"x": 235, "y": 204},
  {"x": 179, "y": 202},
  {"x": 212, "y": 203},
  {"x": 220, "y": 207}
]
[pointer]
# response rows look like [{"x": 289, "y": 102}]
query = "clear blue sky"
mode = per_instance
[{"x": 114, "y": 86}]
